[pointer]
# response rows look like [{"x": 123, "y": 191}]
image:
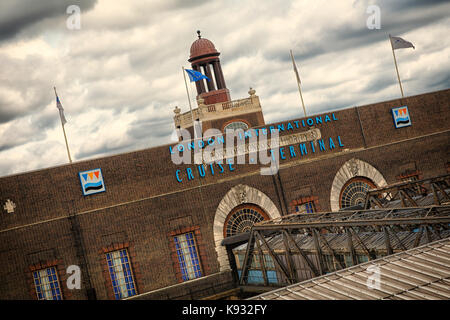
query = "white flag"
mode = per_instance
[
  {"x": 295, "y": 69},
  {"x": 61, "y": 110},
  {"x": 398, "y": 43}
]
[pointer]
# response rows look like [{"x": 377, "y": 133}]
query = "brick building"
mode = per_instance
[{"x": 138, "y": 225}]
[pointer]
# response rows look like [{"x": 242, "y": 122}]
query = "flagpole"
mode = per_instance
[
  {"x": 396, "y": 67},
  {"x": 64, "y": 131},
  {"x": 193, "y": 131},
  {"x": 298, "y": 82},
  {"x": 189, "y": 98}
]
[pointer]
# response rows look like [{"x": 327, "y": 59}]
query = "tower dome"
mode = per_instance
[{"x": 201, "y": 48}]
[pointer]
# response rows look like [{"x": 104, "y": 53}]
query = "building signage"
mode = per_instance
[
  {"x": 295, "y": 145},
  {"x": 401, "y": 117},
  {"x": 91, "y": 181}
]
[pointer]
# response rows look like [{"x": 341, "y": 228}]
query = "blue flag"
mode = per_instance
[{"x": 195, "y": 75}]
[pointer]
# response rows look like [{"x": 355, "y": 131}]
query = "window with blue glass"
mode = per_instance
[
  {"x": 47, "y": 284},
  {"x": 307, "y": 207},
  {"x": 188, "y": 256},
  {"x": 255, "y": 274},
  {"x": 121, "y": 274}
]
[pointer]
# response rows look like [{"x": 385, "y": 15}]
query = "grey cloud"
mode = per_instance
[
  {"x": 183, "y": 4},
  {"x": 7, "y": 112},
  {"x": 16, "y": 16},
  {"x": 440, "y": 81},
  {"x": 18, "y": 135},
  {"x": 378, "y": 83},
  {"x": 35, "y": 90},
  {"x": 409, "y": 4},
  {"x": 103, "y": 149},
  {"x": 29, "y": 129},
  {"x": 6, "y": 167},
  {"x": 151, "y": 127},
  {"x": 396, "y": 19}
]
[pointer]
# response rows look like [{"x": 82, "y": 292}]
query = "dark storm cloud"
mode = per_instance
[
  {"x": 183, "y": 4},
  {"x": 377, "y": 84},
  {"x": 16, "y": 16},
  {"x": 440, "y": 80},
  {"x": 21, "y": 131},
  {"x": 396, "y": 19},
  {"x": 7, "y": 112},
  {"x": 143, "y": 129}
]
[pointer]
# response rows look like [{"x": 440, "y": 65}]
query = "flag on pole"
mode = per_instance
[
  {"x": 399, "y": 43},
  {"x": 63, "y": 121},
  {"x": 61, "y": 109},
  {"x": 298, "y": 81},
  {"x": 195, "y": 75},
  {"x": 295, "y": 69}
]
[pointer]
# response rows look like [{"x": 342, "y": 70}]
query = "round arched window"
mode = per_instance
[
  {"x": 236, "y": 125},
  {"x": 354, "y": 192},
  {"x": 242, "y": 218}
]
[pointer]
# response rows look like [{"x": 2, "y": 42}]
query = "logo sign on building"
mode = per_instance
[
  {"x": 91, "y": 181},
  {"x": 401, "y": 117}
]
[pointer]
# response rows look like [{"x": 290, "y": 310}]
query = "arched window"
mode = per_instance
[
  {"x": 242, "y": 218},
  {"x": 354, "y": 192},
  {"x": 236, "y": 125}
]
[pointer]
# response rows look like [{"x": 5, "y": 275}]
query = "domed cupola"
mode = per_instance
[
  {"x": 202, "y": 48},
  {"x": 205, "y": 58}
]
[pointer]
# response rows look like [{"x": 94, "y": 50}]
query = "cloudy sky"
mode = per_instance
[{"x": 119, "y": 77}]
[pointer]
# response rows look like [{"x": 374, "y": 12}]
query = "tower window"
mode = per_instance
[
  {"x": 188, "y": 256},
  {"x": 47, "y": 284},
  {"x": 236, "y": 125},
  {"x": 121, "y": 274}
]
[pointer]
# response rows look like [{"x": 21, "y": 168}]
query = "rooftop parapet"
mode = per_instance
[{"x": 217, "y": 110}]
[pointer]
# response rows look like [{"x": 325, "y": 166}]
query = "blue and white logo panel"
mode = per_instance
[
  {"x": 92, "y": 181},
  {"x": 401, "y": 117}
]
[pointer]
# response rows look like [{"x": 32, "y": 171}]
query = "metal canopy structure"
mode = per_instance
[
  {"x": 416, "y": 193},
  {"x": 399, "y": 228},
  {"x": 422, "y": 273}
]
